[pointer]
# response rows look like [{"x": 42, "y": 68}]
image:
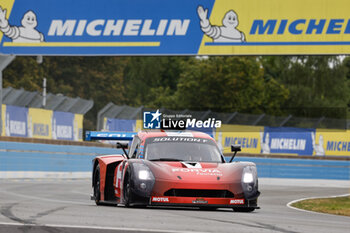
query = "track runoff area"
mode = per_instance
[{"x": 63, "y": 205}]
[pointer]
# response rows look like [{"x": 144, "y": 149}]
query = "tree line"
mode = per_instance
[{"x": 275, "y": 85}]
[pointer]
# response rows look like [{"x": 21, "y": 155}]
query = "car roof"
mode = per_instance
[{"x": 143, "y": 135}]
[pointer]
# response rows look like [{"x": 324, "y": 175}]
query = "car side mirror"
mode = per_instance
[
  {"x": 123, "y": 146},
  {"x": 235, "y": 149}
]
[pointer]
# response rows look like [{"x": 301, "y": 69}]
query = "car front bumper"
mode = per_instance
[{"x": 202, "y": 202}]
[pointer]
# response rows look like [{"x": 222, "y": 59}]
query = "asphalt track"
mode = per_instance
[{"x": 63, "y": 206}]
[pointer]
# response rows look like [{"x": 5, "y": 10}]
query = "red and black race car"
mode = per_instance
[{"x": 172, "y": 169}]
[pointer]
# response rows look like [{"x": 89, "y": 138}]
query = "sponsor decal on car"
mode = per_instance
[
  {"x": 237, "y": 201},
  {"x": 160, "y": 199},
  {"x": 200, "y": 201},
  {"x": 179, "y": 139},
  {"x": 199, "y": 171}
]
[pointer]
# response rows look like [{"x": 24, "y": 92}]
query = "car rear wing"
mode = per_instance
[{"x": 117, "y": 136}]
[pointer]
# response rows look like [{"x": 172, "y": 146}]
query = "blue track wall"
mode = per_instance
[
  {"x": 15, "y": 156},
  {"x": 300, "y": 168}
]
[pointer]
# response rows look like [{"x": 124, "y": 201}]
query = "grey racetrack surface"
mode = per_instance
[{"x": 58, "y": 206}]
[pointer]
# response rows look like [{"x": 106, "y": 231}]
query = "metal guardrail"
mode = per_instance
[
  {"x": 133, "y": 113},
  {"x": 23, "y": 98}
]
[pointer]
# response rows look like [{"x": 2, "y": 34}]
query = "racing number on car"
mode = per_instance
[{"x": 118, "y": 179}]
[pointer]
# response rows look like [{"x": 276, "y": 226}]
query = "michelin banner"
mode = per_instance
[
  {"x": 65, "y": 126},
  {"x": 41, "y": 123},
  {"x": 16, "y": 121},
  {"x": 331, "y": 143},
  {"x": 269, "y": 140},
  {"x": 291, "y": 141},
  {"x": 249, "y": 137},
  {"x": 182, "y": 27}
]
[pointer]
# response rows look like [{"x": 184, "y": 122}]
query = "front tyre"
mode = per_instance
[
  {"x": 97, "y": 193},
  {"x": 127, "y": 189}
]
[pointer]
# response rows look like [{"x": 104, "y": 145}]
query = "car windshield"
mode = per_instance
[{"x": 182, "y": 149}]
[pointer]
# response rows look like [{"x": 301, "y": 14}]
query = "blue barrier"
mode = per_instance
[
  {"x": 18, "y": 146},
  {"x": 15, "y": 156},
  {"x": 27, "y": 161},
  {"x": 299, "y": 168}
]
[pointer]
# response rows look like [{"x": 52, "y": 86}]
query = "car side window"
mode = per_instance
[
  {"x": 134, "y": 146},
  {"x": 139, "y": 153},
  {"x": 135, "y": 152}
]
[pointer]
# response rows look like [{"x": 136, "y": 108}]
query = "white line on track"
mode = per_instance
[
  {"x": 100, "y": 228},
  {"x": 289, "y": 204}
]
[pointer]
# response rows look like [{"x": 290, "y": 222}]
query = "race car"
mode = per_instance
[{"x": 172, "y": 169}]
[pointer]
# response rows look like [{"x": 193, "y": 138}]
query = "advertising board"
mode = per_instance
[{"x": 182, "y": 27}]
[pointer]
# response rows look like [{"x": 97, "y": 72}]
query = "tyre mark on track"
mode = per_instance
[
  {"x": 275, "y": 228},
  {"x": 7, "y": 212}
]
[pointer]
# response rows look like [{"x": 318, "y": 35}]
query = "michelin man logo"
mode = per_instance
[
  {"x": 228, "y": 32},
  {"x": 23, "y": 34},
  {"x": 318, "y": 148},
  {"x": 265, "y": 148}
]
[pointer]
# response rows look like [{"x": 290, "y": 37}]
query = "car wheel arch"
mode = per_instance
[{"x": 93, "y": 171}]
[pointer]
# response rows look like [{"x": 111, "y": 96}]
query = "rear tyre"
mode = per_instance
[
  {"x": 97, "y": 193},
  {"x": 244, "y": 209}
]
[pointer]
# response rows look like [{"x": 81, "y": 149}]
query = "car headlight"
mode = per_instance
[
  {"x": 145, "y": 175},
  {"x": 143, "y": 179},
  {"x": 250, "y": 182},
  {"x": 249, "y": 174},
  {"x": 248, "y": 177}
]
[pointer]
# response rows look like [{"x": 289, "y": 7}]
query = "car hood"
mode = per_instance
[{"x": 197, "y": 171}]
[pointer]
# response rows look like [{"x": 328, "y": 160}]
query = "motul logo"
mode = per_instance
[
  {"x": 160, "y": 199},
  {"x": 237, "y": 201}
]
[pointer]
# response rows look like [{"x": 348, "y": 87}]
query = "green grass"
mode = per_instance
[{"x": 338, "y": 205}]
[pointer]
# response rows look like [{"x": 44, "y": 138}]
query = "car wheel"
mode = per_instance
[
  {"x": 127, "y": 190},
  {"x": 244, "y": 209},
  {"x": 97, "y": 192}
]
